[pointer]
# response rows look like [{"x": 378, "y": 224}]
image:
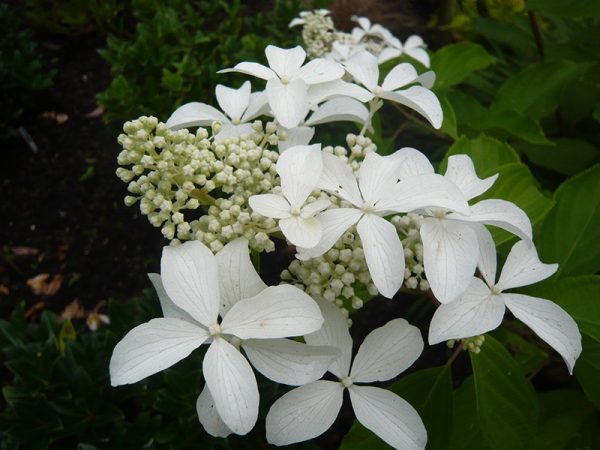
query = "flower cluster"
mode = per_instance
[{"x": 361, "y": 224}]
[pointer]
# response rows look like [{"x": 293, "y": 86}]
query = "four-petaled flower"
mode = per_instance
[
  {"x": 481, "y": 308},
  {"x": 375, "y": 194},
  {"x": 299, "y": 169},
  {"x": 240, "y": 107},
  {"x": 288, "y": 80},
  {"x": 201, "y": 286},
  {"x": 308, "y": 411}
]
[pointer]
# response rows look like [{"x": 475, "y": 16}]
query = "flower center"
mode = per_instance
[
  {"x": 214, "y": 330},
  {"x": 236, "y": 121},
  {"x": 377, "y": 90},
  {"x": 295, "y": 211},
  {"x": 368, "y": 207},
  {"x": 346, "y": 382},
  {"x": 496, "y": 290},
  {"x": 285, "y": 79}
]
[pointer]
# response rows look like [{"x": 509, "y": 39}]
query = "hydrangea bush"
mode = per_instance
[{"x": 225, "y": 184}]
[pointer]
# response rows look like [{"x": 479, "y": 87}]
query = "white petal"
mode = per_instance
[
  {"x": 194, "y": 114},
  {"x": 289, "y": 362},
  {"x": 304, "y": 413},
  {"x": 523, "y": 267},
  {"x": 305, "y": 233},
  {"x": 252, "y": 68},
  {"x": 462, "y": 173},
  {"x": 189, "y": 275},
  {"x": 502, "y": 214},
  {"x": 296, "y": 21},
  {"x": 169, "y": 309},
  {"x": 232, "y": 386},
  {"x": 277, "y": 312},
  {"x": 321, "y": 70},
  {"x": 258, "y": 105},
  {"x": 310, "y": 209},
  {"x": 427, "y": 79},
  {"x": 412, "y": 163},
  {"x": 289, "y": 102},
  {"x": 237, "y": 277},
  {"x": 364, "y": 22},
  {"x": 299, "y": 168},
  {"x": 389, "y": 416},
  {"x": 364, "y": 68},
  {"x": 318, "y": 93},
  {"x": 334, "y": 333},
  {"x": 152, "y": 347},
  {"x": 476, "y": 312},
  {"x": 270, "y": 205},
  {"x": 550, "y": 322},
  {"x": 487, "y": 254},
  {"x": 399, "y": 76},
  {"x": 386, "y": 352},
  {"x": 420, "y": 99},
  {"x": 285, "y": 62},
  {"x": 388, "y": 54},
  {"x": 377, "y": 176},
  {"x": 420, "y": 55},
  {"x": 337, "y": 178},
  {"x": 339, "y": 110},
  {"x": 296, "y": 136},
  {"x": 423, "y": 191},
  {"x": 233, "y": 102},
  {"x": 450, "y": 255},
  {"x": 334, "y": 222},
  {"x": 414, "y": 41},
  {"x": 209, "y": 417},
  {"x": 383, "y": 252},
  {"x": 229, "y": 130}
]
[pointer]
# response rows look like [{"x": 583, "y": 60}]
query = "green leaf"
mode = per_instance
[
  {"x": 510, "y": 123},
  {"x": 507, "y": 407},
  {"x": 516, "y": 184},
  {"x": 566, "y": 8},
  {"x": 455, "y": 62},
  {"x": 587, "y": 370},
  {"x": 429, "y": 391},
  {"x": 565, "y": 156},
  {"x": 570, "y": 233},
  {"x": 580, "y": 297},
  {"x": 487, "y": 153},
  {"x": 466, "y": 433},
  {"x": 562, "y": 415},
  {"x": 449, "y": 123},
  {"x": 536, "y": 90}
]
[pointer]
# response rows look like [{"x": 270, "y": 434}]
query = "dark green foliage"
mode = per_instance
[
  {"x": 73, "y": 16},
  {"x": 57, "y": 391},
  {"x": 179, "y": 46},
  {"x": 22, "y": 74}
]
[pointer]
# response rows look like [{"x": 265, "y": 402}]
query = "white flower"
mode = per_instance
[
  {"x": 481, "y": 308},
  {"x": 240, "y": 107},
  {"x": 200, "y": 286},
  {"x": 364, "y": 68},
  {"x": 377, "y": 193},
  {"x": 366, "y": 29},
  {"x": 450, "y": 240},
  {"x": 288, "y": 80},
  {"x": 299, "y": 168},
  {"x": 308, "y": 411},
  {"x": 413, "y": 47}
]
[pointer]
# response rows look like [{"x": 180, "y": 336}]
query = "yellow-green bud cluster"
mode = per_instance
[
  {"x": 318, "y": 33},
  {"x": 408, "y": 227},
  {"x": 336, "y": 275},
  {"x": 172, "y": 171},
  {"x": 472, "y": 344}
]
